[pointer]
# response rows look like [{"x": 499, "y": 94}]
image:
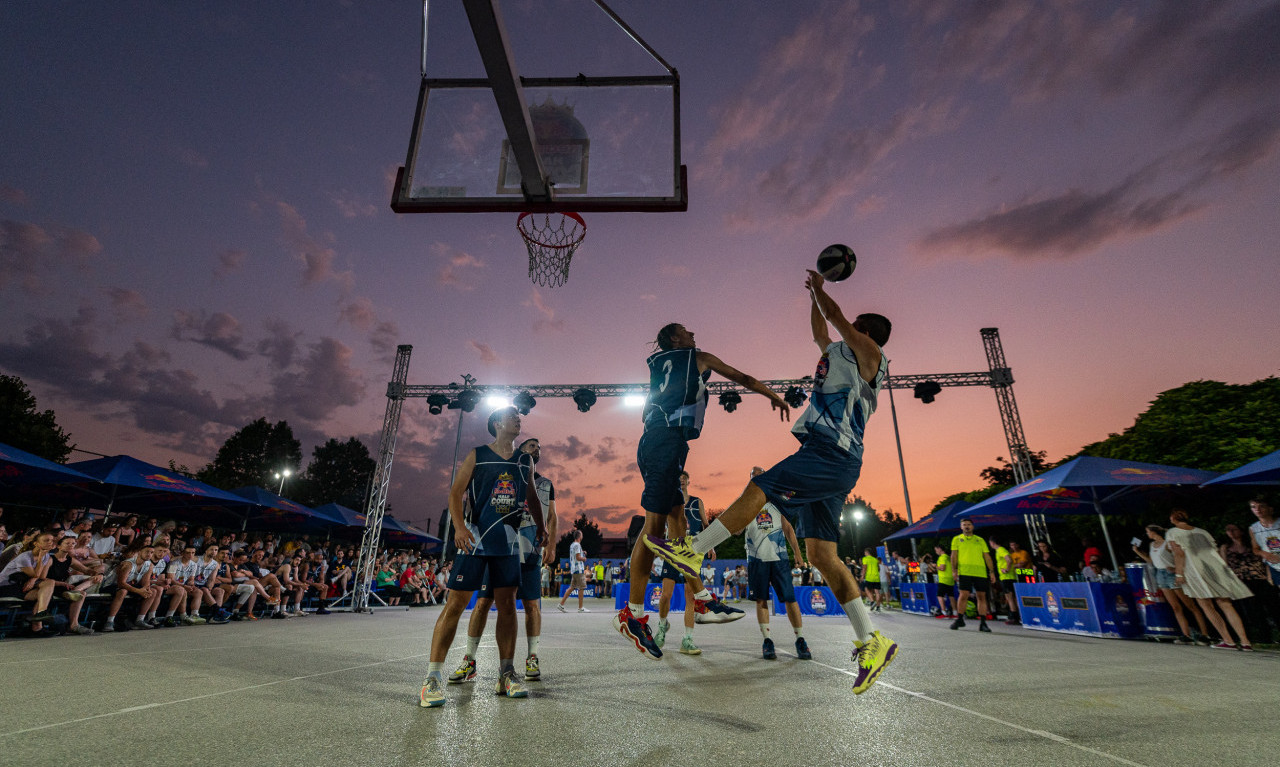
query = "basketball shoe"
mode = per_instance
[
  {"x": 688, "y": 647},
  {"x": 637, "y": 630},
  {"x": 768, "y": 650},
  {"x": 660, "y": 636},
  {"x": 802, "y": 649},
  {"x": 677, "y": 553},
  {"x": 509, "y": 686},
  {"x": 872, "y": 658},
  {"x": 431, "y": 695},
  {"x": 715, "y": 611},
  {"x": 466, "y": 671},
  {"x": 531, "y": 670}
]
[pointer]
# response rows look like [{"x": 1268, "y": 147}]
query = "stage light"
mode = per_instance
[
  {"x": 584, "y": 398},
  {"x": 925, "y": 391},
  {"x": 436, "y": 403},
  {"x": 524, "y": 402},
  {"x": 795, "y": 397},
  {"x": 633, "y": 400},
  {"x": 730, "y": 400},
  {"x": 467, "y": 400},
  {"x": 495, "y": 401}
]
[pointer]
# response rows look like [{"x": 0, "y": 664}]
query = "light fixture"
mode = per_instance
[
  {"x": 467, "y": 400},
  {"x": 436, "y": 403},
  {"x": 730, "y": 400},
  {"x": 925, "y": 391},
  {"x": 495, "y": 401},
  {"x": 524, "y": 402},
  {"x": 584, "y": 398},
  {"x": 795, "y": 396},
  {"x": 633, "y": 400}
]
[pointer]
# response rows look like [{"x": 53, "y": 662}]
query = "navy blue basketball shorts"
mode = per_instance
[
  {"x": 761, "y": 575},
  {"x": 471, "y": 572},
  {"x": 661, "y": 457},
  {"x": 810, "y": 485}
]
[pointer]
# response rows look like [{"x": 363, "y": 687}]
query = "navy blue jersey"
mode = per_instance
[
  {"x": 693, "y": 515},
  {"x": 677, "y": 392},
  {"x": 496, "y": 497}
]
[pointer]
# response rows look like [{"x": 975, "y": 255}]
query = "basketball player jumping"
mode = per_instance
[
  {"x": 493, "y": 478},
  {"x": 673, "y": 413},
  {"x": 811, "y": 484},
  {"x": 530, "y": 590}
]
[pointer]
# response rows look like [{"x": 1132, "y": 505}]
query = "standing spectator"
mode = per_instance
[
  {"x": 1091, "y": 550},
  {"x": 1160, "y": 557},
  {"x": 25, "y": 578},
  {"x": 1048, "y": 564},
  {"x": 709, "y": 574},
  {"x": 598, "y": 579},
  {"x": 946, "y": 584},
  {"x": 1005, "y": 570},
  {"x": 871, "y": 579},
  {"x": 1254, "y": 573},
  {"x": 1266, "y": 535},
  {"x": 1023, "y": 566},
  {"x": 577, "y": 570},
  {"x": 971, "y": 561},
  {"x": 797, "y": 574},
  {"x": 546, "y": 580},
  {"x": 1204, "y": 576}
]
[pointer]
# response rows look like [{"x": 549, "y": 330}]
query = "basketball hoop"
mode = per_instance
[{"x": 552, "y": 239}]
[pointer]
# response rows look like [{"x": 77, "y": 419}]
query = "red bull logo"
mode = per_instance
[
  {"x": 764, "y": 520},
  {"x": 10, "y": 471},
  {"x": 654, "y": 597},
  {"x": 1051, "y": 604},
  {"x": 817, "y": 602},
  {"x": 166, "y": 482}
]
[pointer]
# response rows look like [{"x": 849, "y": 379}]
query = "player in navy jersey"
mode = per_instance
[
  {"x": 695, "y": 519},
  {"x": 532, "y": 556},
  {"x": 673, "y": 413},
  {"x": 811, "y": 485},
  {"x": 491, "y": 483}
]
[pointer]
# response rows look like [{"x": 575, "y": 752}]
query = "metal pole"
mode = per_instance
[
  {"x": 902, "y": 467},
  {"x": 448, "y": 518},
  {"x": 1115, "y": 563}
]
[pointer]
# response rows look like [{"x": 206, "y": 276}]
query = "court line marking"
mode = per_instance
[
  {"x": 144, "y": 707},
  {"x": 1053, "y": 736}
]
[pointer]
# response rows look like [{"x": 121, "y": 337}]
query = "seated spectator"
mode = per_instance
[
  {"x": 182, "y": 573},
  {"x": 206, "y": 586},
  {"x": 60, "y": 569},
  {"x": 315, "y": 573},
  {"x": 128, "y": 531},
  {"x": 16, "y": 547},
  {"x": 245, "y": 579},
  {"x": 1094, "y": 572},
  {"x": 83, "y": 552},
  {"x": 341, "y": 571},
  {"x": 132, "y": 579},
  {"x": 411, "y": 587},
  {"x": 26, "y": 577},
  {"x": 291, "y": 585},
  {"x": 386, "y": 583}
]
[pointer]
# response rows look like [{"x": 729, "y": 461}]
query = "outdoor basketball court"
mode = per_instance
[{"x": 343, "y": 689}]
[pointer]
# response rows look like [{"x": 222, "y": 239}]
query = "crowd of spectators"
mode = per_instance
[{"x": 146, "y": 574}]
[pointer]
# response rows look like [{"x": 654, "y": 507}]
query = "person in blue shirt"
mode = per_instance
[
  {"x": 494, "y": 484},
  {"x": 673, "y": 414}
]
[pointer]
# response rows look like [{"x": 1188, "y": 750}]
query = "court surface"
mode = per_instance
[{"x": 342, "y": 689}]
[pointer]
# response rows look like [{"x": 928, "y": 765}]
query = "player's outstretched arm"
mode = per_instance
[
  {"x": 863, "y": 347},
  {"x": 707, "y": 360},
  {"x": 461, "y": 535},
  {"x": 534, "y": 503},
  {"x": 821, "y": 334}
]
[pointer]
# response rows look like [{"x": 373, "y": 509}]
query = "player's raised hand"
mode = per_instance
[{"x": 814, "y": 281}]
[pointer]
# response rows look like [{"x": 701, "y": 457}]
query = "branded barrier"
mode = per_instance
[
  {"x": 589, "y": 592},
  {"x": 1154, "y": 612},
  {"x": 813, "y": 600},
  {"x": 476, "y": 595},
  {"x": 652, "y": 593},
  {"x": 919, "y": 598},
  {"x": 1091, "y": 609}
]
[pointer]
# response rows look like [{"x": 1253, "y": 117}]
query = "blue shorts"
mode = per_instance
[
  {"x": 530, "y": 588},
  {"x": 810, "y": 485},
  {"x": 761, "y": 575},
  {"x": 669, "y": 573},
  {"x": 471, "y": 572},
  {"x": 661, "y": 457},
  {"x": 1166, "y": 579}
]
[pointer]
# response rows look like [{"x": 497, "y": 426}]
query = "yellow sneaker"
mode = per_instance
[
  {"x": 872, "y": 657},
  {"x": 678, "y": 553}
]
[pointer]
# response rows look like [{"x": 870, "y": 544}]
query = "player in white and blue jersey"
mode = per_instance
[
  {"x": 532, "y": 555},
  {"x": 673, "y": 414},
  {"x": 695, "y": 519},
  {"x": 491, "y": 483},
  {"x": 768, "y": 565},
  {"x": 811, "y": 485}
]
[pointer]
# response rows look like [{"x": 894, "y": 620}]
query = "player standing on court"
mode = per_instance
[
  {"x": 812, "y": 483},
  {"x": 530, "y": 590},
  {"x": 971, "y": 562},
  {"x": 577, "y": 573},
  {"x": 673, "y": 414},
  {"x": 767, "y": 536},
  {"x": 493, "y": 478},
  {"x": 695, "y": 519}
]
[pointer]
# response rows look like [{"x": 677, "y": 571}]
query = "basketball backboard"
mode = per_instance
[{"x": 506, "y": 142}]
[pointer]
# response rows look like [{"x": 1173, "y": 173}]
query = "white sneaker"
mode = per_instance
[
  {"x": 583, "y": 610},
  {"x": 560, "y": 608}
]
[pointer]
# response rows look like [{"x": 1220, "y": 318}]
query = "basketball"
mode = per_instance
[{"x": 836, "y": 262}]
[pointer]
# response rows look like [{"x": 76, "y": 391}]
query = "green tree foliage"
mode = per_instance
[
  {"x": 339, "y": 472},
  {"x": 1002, "y": 473},
  {"x": 252, "y": 455},
  {"x": 29, "y": 429},
  {"x": 592, "y": 538}
]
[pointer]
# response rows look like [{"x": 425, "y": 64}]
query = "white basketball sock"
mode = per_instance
[
  {"x": 533, "y": 645},
  {"x": 859, "y": 618},
  {"x": 764, "y": 629},
  {"x": 473, "y": 643},
  {"x": 715, "y": 534}
]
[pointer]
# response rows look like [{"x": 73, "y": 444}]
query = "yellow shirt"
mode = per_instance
[
  {"x": 870, "y": 569},
  {"x": 944, "y": 572},
  {"x": 1002, "y": 556},
  {"x": 969, "y": 550}
]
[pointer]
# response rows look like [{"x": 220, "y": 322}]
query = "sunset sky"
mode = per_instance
[{"x": 195, "y": 229}]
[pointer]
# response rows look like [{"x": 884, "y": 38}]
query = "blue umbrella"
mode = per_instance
[
  {"x": 18, "y": 467},
  {"x": 138, "y": 486},
  {"x": 1264, "y": 471},
  {"x": 278, "y": 512},
  {"x": 947, "y": 520},
  {"x": 1082, "y": 485},
  {"x": 344, "y": 516},
  {"x": 400, "y": 532}
]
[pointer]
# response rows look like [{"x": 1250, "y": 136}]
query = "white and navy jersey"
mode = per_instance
[
  {"x": 139, "y": 571},
  {"x": 205, "y": 571},
  {"x": 576, "y": 565},
  {"x": 693, "y": 514},
  {"x": 496, "y": 496},
  {"x": 677, "y": 392},
  {"x": 765, "y": 538},
  {"x": 840, "y": 402},
  {"x": 183, "y": 572},
  {"x": 528, "y": 527}
]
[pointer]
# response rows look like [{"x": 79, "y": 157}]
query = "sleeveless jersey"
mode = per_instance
[
  {"x": 693, "y": 515},
  {"x": 840, "y": 402},
  {"x": 206, "y": 570},
  {"x": 677, "y": 392},
  {"x": 139, "y": 571},
  {"x": 528, "y": 528},
  {"x": 764, "y": 536},
  {"x": 496, "y": 493},
  {"x": 183, "y": 572}
]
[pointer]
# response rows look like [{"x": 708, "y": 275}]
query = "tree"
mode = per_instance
[
  {"x": 339, "y": 472},
  {"x": 592, "y": 538},
  {"x": 252, "y": 455},
  {"x": 27, "y": 428},
  {"x": 1002, "y": 472}
]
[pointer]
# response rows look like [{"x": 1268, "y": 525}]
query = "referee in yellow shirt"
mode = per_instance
[{"x": 971, "y": 562}]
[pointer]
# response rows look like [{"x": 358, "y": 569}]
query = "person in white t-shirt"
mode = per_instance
[
  {"x": 577, "y": 572},
  {"x": 1266, "y": 535},
  {"x": 182, "y": 572},
  {"x": 206, "y": 585}
]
